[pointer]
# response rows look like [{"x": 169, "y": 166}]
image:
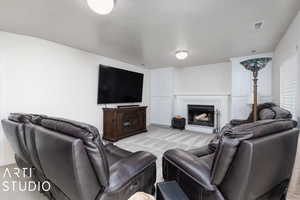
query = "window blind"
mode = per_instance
[{"x": 289, "y": 84}]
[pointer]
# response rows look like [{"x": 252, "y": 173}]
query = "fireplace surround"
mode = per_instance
[
  {"x": 220, "y": 102},
  {"x": 202, "y": 115}
]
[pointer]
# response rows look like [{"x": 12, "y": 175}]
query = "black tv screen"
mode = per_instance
[{"x": 119, "y": 86}]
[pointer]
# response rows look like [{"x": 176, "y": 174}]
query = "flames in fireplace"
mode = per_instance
[{"x": 203, "y": 115}]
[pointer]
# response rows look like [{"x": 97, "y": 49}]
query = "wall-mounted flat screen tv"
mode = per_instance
[{"x": 119, "y": 86}]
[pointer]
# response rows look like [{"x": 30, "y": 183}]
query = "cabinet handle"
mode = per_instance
[{"x": 126, "y": 124}]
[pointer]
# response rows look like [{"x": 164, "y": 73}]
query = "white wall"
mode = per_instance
[
  {"x": 206, "y": 79},
  {"x": 39, "y": 76},
  {"x": 162, "y": 91},
  {"x": 286, "y": 49}
]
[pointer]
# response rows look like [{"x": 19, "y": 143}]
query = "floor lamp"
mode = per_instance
[{"x": 255, "y": 65}]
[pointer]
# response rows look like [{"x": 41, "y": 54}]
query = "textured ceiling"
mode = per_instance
[{"x": 150, "y": 31}]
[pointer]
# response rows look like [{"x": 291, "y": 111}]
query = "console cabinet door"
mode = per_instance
[
  {"x": 123, "y": 122},
  {"x": 142, "y": 116},
  {"x": 130, "y": 121}
]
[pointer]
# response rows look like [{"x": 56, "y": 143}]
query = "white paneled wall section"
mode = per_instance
[{"x": 161, "y": 91}]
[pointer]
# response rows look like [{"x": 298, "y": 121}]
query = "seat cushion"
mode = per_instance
[
  {"x": 114, "y": 153},
  {"x": 192, "y": 173},
  {"x": 178, "y": 163},
  {"x": 201, "y": 151},
  {"x": 207, "y": 160}
]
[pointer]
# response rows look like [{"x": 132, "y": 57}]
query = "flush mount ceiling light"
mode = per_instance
[
  {"x": 182, "y": 54},
  {"x": 102, "y": 7}
]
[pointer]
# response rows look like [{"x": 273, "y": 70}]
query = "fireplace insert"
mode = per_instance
[{"x": 203, "y": 115}]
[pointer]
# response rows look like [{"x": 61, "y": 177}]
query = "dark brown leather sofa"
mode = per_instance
[
  {"x": 265, "y": 111},
  {"x": 71, "y": 156},
  {"x": 252, "y": 161}
]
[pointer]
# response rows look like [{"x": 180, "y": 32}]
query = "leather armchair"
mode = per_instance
[
  {"x": 71, "y": 156},
  {"x": 202, "y": 151},
  {"x": 252, "y": 162}
]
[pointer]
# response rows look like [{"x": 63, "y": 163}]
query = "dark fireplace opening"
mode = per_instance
[{"x": 202, "y": 115}]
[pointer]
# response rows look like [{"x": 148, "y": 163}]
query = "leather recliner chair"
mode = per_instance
[
  {"x": 14, "y": 131},
  {"x": 71, "y": 156},
  {"x": 252, "y": 162}
]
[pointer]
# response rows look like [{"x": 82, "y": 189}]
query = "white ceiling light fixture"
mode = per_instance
[
  {"x": 101, "y": 7},
  {"x": 182, "y": 54}
]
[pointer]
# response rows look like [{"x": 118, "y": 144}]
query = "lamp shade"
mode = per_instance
[{"x": 256, "y": 64}]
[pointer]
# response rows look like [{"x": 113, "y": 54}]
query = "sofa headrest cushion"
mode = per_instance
[
  {"x": 275, "y": 112},
  {"x": 267, "y": 113},
  {"x": 20, "y": 117},
  {"x": 69, "y": 127},
  {"x": 282, "y": 113},
  {"x": 260, "y": 128},
  {"x": 90, "y": 137}
]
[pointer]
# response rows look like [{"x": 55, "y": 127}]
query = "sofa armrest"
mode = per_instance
[
  {"x": 192, "y": 166},
  {"x": 238, "y": 122},
  {"x": 128, "y": 168},
  {"x": 202, "y": 151}
]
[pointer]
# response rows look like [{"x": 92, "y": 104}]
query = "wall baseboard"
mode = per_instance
[{"x": 160, "y": 125}]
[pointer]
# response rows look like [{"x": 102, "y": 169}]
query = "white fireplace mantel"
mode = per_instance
[
  {"x": 201, "y": 94},
  {"x": 221, "y": 102}
]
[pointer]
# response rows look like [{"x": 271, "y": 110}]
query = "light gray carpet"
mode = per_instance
[{"x": 157, "y": 140}]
